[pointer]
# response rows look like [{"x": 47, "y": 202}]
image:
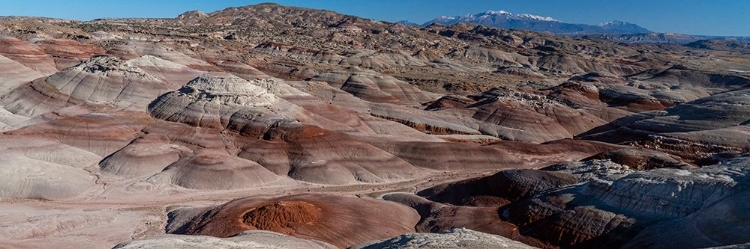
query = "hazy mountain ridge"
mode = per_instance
[
  {"x": 507, "y": 20},
  {"x": 663, "y": 38}
]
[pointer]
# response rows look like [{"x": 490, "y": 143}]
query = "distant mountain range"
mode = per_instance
[
  {"x": 666, "y": 38},
  {"x": 507, "y": 20}
]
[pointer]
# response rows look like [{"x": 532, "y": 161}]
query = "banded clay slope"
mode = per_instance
[
  {"x": 40, "y": 168},
  {"x": 184, "y": 155},
  {"x": 290, "y": 141},
  {"x": 375, "y": 87},
  {"x": 272, "y": 131},
  {"x": 692, "y": 130},
  {"x": 667, "y": 88},
  {"x": 102, "y": 80},
  {"x": 15, "y": 74},
  {"x": 68, "y": 52},
  {"x": 132, "y": 49},
  {"x": 312, "y": 154},
  {"x": 99, "y": 132},
  {"x": 341, "y": 221},
  {"x": 30, "y": 55}
]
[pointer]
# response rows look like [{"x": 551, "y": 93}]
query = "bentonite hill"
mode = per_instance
[{"x": 282, "y": 127}]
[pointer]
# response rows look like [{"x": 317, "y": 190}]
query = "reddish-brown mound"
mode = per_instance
[
  {"x": 100, "y": 133},
  {"x": 282, "y": 216},
  {"x": 342, "y": 221}
]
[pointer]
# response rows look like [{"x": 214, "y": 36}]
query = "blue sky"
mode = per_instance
[{"x": 706, "y": 17}]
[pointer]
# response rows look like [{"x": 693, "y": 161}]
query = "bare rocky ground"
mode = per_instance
[{"x": 274, "y": 126}]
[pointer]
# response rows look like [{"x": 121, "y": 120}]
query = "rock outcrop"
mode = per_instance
[
  {"x": 616, "y": 207},
  {"x": 103, "y": 80},
  {"x": 341, "y": 221},
  {"x": 216, "y": 101},
  {"x": 594, "y": 203}
]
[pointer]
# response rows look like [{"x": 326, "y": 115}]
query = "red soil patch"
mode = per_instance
[
  {"x": 341, "y": 221},
  {"x": 282, "y": 217}
]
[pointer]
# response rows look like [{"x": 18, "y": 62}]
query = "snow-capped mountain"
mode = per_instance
[
  {"x": 507, "y": 20},
  {"x": 491, "y": 15},
  {"x": 509, "y": 15}
]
